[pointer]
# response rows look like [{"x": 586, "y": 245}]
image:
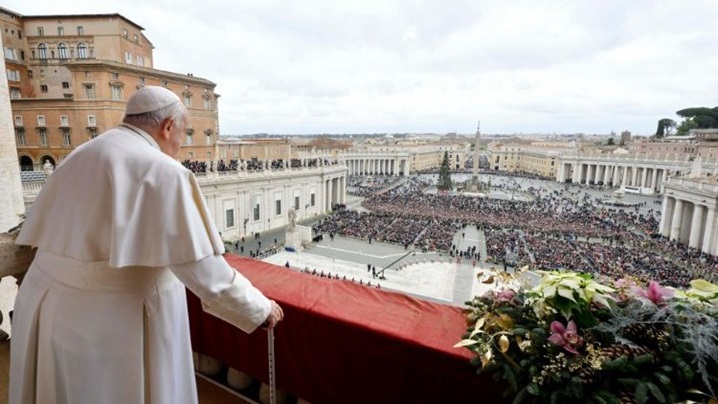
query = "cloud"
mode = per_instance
[{"x": 427, "y": 66}]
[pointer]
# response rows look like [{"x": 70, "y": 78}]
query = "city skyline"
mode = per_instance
[{"x": 426, "y": 67}]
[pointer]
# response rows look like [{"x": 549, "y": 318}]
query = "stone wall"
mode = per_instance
[{"x": 11, "y": 202}]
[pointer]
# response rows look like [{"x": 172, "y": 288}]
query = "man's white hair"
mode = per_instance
[{"x": 154, "y": 119}]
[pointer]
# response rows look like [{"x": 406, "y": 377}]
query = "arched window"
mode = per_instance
[
  {"x": 62, "y": 51},
  {"x": 26, "y": 163},
  {"x": 82, "y": 50},
  {"x": 42, "y": 51}
]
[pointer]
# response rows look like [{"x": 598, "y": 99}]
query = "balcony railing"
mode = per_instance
[{"x": 342, "y": 342}]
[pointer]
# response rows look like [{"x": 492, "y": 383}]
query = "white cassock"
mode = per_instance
[{"x": 101, "y": 316}]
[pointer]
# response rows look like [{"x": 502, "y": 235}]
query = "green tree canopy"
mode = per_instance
[
  {"x": 694, "y": 118},
  {"x": 665, "y": 126}
]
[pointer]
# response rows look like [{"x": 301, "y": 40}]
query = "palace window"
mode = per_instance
[
  {"x": 89, "y": 91},
  {"x": 255, "y": 210},
  {"x": 60, "y": 31},
  {"x": 82, "y": 50},
  {"x": 40, "y": 31},
  {"x": 91, "y": 121},
  {"x": 62, "y": 51},
  {"x": 80, "y": 30},
  {"x": 64, "y": 120},
  {"x": 15, "y": 93},
  {"x": 43, "y": 88},
  {"x": 65, "y": 85},
  {"x": 312, "y": 199},
  {"x": 66, "y": 141},
  {"x": 41, "y": 120},
  {"x": 42, "y": 51},
  {"x": 116, "y": 92},
  {"x": 93, "y": 133},
  {"x": 18, "y": 120},
  {"x": 42, "y": 133},
  {"x": 278, "y": 207},
  {"x": 13, "y": 75},
  {"x": 20, "y": 137},
  {"x": 9, "y": 53},
  {"x": 229, "y": 216}
]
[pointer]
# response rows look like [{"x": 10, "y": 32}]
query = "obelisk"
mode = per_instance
[
  {"x": 475, "y": 171},
  {"x": 11, "y": 200}
]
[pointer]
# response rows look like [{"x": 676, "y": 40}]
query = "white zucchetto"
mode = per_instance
[{"x": 149, "y": 99}]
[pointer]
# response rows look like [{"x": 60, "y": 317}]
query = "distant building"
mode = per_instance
[
  {"x": 625, "y": 137},
  {"x": 70, "y": 76},
  {"x": 535, "y": 158}
]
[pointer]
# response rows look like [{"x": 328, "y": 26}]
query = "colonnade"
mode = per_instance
[
  {"x": 690, "y": 222},
  {"x": 335, "y": 191},
  {"x": 377, "y": 165},
  {"x": 613, "y": 174}
]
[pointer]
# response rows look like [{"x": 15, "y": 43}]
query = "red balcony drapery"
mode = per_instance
[{"x": 343, "y": 342}]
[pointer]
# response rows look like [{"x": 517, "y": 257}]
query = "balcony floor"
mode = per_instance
[{"x": 208, "y": 392}]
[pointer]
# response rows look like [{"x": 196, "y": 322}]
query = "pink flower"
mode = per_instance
[
  {"x": 567, "y": 337},
  {"x": 655, "y": 293},
  {"x": 506, "y": 295}
]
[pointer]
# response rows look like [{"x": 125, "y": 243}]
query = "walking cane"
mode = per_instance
[{"x": 272, "y": 381}]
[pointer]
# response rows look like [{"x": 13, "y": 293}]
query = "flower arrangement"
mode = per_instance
[{"x": 572, "y": 338}]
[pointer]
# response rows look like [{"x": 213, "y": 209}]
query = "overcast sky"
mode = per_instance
[{"x": 521, "y": 66}]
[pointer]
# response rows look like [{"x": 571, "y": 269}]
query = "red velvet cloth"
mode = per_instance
[{"x": 342, "y": 342}]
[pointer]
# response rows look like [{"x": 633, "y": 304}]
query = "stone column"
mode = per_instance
[
  {"x": 666, "y": 215},
  {"x": 709, "y": 230},
  {"x": 696, "y": 236},
  {"x": 12, "y": 203},
  {"x": 327, "y": 196},
  {"x": 676, "y": 221},
  {"x": 643, "y": 177},
  {"x": 634, "y": 176}
]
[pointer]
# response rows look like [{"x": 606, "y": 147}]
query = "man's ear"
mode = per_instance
[{"x": 166, "y": 128}]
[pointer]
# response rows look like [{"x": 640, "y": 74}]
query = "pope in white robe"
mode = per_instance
[{"x": 120, "y": 229}]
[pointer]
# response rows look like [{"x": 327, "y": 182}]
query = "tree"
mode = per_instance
[
  {"x": 444, "y": 183},
  {"x": 686, "y": 125},
  {"x": 610, "y": 142},
  {"x": 697, "y": 118},
  {"x": 665, "y": 126}
]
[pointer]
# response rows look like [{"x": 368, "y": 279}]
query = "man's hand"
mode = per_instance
[{"x": 275, "y": 315}]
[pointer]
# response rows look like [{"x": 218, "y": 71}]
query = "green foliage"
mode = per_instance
[
  {"x": 665, "y": 126},
  {"x": 610, "y": 141},
  {"x": 444, "y": 183},
  {"x": 697, "y": 118},
  {"x": 628, "y": 348}
]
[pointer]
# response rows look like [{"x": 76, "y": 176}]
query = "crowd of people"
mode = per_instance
[
  {"x": 555, "y": 229},
  {"x": 361, "y": 186},
  {"x": 250, "y": 165},
  {"x": 329, "y": 275}
]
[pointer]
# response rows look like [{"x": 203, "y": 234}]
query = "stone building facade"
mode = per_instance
[{"x": 71, "y": 76}]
